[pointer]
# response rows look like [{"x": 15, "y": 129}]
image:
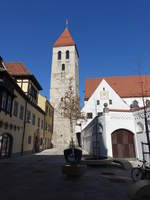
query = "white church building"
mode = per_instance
[{"x": 115, "y": 123}]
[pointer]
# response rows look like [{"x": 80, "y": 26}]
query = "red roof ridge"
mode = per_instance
[
  {"x": 125, "y": 86},
  {"x": 105, "y": 77},
  {"x": 65, "y": 39},
  {"x": 17, "y": 68}
]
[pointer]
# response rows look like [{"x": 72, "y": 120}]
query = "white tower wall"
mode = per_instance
[{"x": 59, "y": 85}]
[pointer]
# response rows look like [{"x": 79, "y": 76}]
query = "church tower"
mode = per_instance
[{"x": 64, "y": 66}]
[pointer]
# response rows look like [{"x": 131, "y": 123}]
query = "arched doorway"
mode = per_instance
[
  {"x": 123, "y": 144},
  {"x": 6, "y": 142}
]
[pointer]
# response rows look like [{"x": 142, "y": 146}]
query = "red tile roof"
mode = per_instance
[
  {"x": 125, "y": 86},
  {"x": 65, "y": 39},
  {"x": 16, "y": 68}
]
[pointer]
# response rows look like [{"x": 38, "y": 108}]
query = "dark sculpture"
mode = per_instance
[{"x": 72, "y": 155}]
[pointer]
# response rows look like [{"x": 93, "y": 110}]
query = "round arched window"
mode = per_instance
[
  {"x": 59, "y": 55},
  {"x": 63, "y": 67},
  {"x": 67, "y": 54}
]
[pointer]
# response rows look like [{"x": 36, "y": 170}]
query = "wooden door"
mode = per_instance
[{"x": 123, "y": 144}]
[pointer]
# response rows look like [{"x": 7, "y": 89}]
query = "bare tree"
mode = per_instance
[{"x": 70, "y": 107}]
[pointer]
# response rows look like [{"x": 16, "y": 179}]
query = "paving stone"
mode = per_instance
[{"x": 40, "y": 177}]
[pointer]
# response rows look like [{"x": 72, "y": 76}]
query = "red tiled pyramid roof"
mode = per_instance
[
  {"x": 65, "y": 39},
  {"x": 125, "y": 86},
  {"x": 16, "y": 68}
]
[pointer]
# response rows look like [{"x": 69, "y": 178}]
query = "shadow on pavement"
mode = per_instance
[{"x": 40, "y": 177}]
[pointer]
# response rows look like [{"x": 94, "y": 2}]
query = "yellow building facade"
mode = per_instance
[
  {"x": 22, "y": 115},
  {"x": 48, "y": 121}
]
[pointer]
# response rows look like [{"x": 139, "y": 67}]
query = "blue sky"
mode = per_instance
[{"x": 112, "y": 36}]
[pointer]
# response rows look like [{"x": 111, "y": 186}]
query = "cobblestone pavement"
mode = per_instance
[{"x": 40, "y": 177}]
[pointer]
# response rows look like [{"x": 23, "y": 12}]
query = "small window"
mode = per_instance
[
  {"x": 103, "y": 89},
  {"x": 59, "y": 55},
  {"x": 38, "y": 122},
  {"x": 28, "y": 116},
  {"x": 135, "y": 104},
  {"x": 4, "y": 100},
  {"x": 29, "y": 139},
  {"x": 89, "y": 115},
  {"x": 98, "y": 102},
  {"x": 147, "y": 102},
  {"x": 110, "y": 101},
  {"x": 67, "y": 54},
  {"x": 62, "y": 99},
  {"x": 9, "y": 105},
  {"x": 21, "y": 112},
  {"x": 42, "y": 124},
  {"x": 63, "y": 67},
  {"x": 139, "y": 127},
  {"x": 33, "y": 92},
  {"x": 33, "y": 119},
  {"x": 15, "y": 109}
]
